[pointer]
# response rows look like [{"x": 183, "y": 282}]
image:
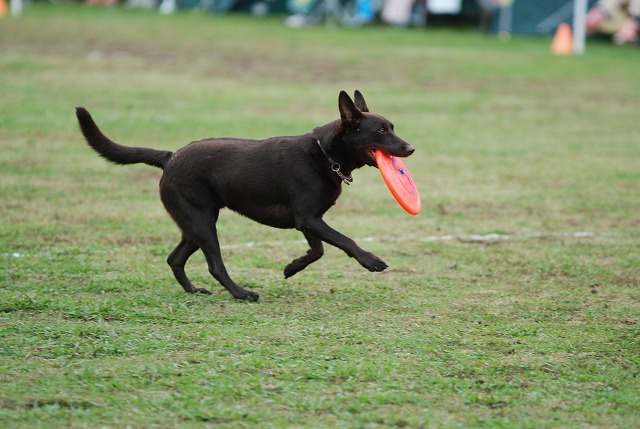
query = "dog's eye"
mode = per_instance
[{"x": 383, "y": 130}]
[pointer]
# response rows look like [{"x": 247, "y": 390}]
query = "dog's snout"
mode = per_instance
[{"x": 410, "y": 149}]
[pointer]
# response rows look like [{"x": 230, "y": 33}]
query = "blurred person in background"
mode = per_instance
[
  {"x": 101, "y": 2},
  {"x": 605, "y": 12}
]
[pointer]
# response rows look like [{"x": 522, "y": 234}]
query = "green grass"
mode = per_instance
[{"x": 537, "y": 327}]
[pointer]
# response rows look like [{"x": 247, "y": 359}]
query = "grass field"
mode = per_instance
[{"x": 511, "y": 301}]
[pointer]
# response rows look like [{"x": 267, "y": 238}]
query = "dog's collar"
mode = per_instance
[{"x": 335, "y": 167}]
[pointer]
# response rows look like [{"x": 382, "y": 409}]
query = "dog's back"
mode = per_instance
[{"x": 260, "y": 179}]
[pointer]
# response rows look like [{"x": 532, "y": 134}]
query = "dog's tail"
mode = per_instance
[{"x": 114, "y": 152}]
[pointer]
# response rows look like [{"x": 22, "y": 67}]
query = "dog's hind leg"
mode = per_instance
[
  {"x": 198, "y": 226},
  {"x": 313, "y": 254},
  {"x": 177, "y": 260},
  {"x": 211, "y": 249},
  {"x": 201, "y": 229}
]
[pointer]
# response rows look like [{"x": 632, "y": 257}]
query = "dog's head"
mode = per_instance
[{"x": 365, "y": 132}]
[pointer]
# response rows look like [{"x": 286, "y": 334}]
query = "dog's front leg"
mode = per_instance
[
  {"x": 320, "y": 229},
  {"x": 313, "y": 254}
]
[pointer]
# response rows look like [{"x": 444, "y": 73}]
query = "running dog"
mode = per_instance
[{"x": 282, "y": 182}]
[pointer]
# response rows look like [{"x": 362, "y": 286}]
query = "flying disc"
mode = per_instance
[{"x": 399, "y": 181}]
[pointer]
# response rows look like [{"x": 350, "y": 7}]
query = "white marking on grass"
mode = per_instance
[
  {"x": 493, "y": 237},
  {"x": 464, "y": 238}
]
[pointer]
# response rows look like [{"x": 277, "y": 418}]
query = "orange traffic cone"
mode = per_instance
[
  {"x": 3, "y": 8},
  {"x": 563, "y": 41}
]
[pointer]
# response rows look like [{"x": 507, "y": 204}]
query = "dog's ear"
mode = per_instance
[
  {"x": 360, "y": 103},
  {"x": 349, "y": 113}
]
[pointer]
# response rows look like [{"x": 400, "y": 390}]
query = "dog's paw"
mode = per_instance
[
  {"x": 201, "y": 291},
  {"x": 292, "y": 269},
  {"x": 372, "y": 263},
  {"x": 247, "y": 295}
]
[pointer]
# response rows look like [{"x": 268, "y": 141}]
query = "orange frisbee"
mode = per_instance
[{"x": 399, "y": 182}]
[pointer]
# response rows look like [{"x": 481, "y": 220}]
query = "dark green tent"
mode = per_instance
[{"x": 534, "y": 17}]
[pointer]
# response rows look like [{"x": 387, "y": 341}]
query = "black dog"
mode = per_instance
[{"x": 283, "y": 182}]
